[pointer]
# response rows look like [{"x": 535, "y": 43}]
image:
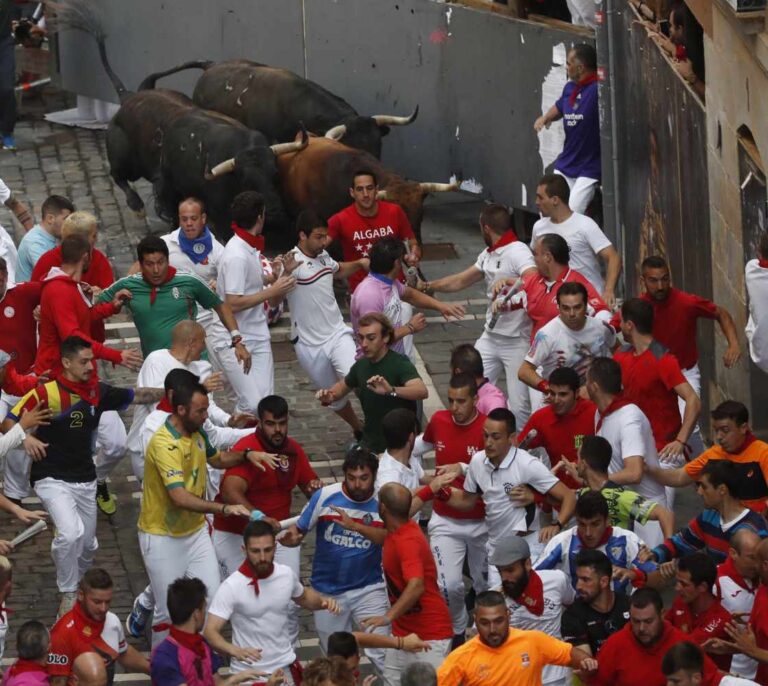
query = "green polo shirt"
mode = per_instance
[{"x": 175, "y": 301}]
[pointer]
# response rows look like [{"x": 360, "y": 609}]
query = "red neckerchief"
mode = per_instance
[
  {"x": 193, "y": 642},
  {"x": 532, "y": 598},
  {"x": 83, "y": 622},
  {"x": 580, "y": 86},
  {"x": 246, "y": 570},
  {"x": 728, "y": 568},
  {"x": 88, "y": 392},
  {"x": 749, "y": 439},
  {"x": 21, "y": 665},
  {"x": 603, "y": 540},
  {"x": 763, "y": 263},
  {"x": 254, "y": 241},
  {"x": 508, "y": 237},
  {"x": 6, "y": 610},
  {"x": 616, "y": 404},
  {"x": 153, "y": 293},
  {"x": 165, "y": 405}
]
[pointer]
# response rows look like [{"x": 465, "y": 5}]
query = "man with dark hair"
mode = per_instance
[
  {"x": 31, "y": 667},
  {"x": 585, "y": 239},
  {"x": 185, "y": 656},
  {"x": 735, "y": 443},
  {"x": 90, "y": 628},
  {"x": 756, "y": 281},
  {"x": 456, "y": 536},
  {"x": 598, "y": 611},
  {"x": 505, "y": 336},
  {"x": 633, "y": 656},
  {"x": 579, "y": 162},
  {"x": 384, "y": 379},
  {"x": 44, "y": 236},
  {"x": 63, "y": 473},
  {"x": 572, "y": 339},
  {"x": 695, "y": 610},
  {"x": 683, "y": 665},
  {"x": 538, "y": 293},
  {"x": 622, "y": 423},
  {"x": 324, "y": 344},
  {"x": 367, "y": 220},
  {"x": 562, "y": 424},
  {"x": 346, "y": 564},
  {"x": 380, "y": 291},
  {"x": 466, "y": 360},
  {"x": 173, "y": 531},
  {"x": 503, "y": 656},
  {"x": 653, "y": 380},
  {"x": 256, "y": 600}
]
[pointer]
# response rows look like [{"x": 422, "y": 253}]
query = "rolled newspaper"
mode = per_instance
[
  {"x": 29, "y": 532},
  {"x": 528, "y": 439},
  {"x": 287, "y": 523},
  {"x": 516, "y": 288}
]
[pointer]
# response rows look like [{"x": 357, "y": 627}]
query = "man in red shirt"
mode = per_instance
[
  {"x": 695, "y": 610},
  {"x": 653, "y": 380},
  {"x": 455, "y": 535},
  {"x": 368, "y": 220},
  {"x": 418, "y": 607},
  {"x": 538, "y": 293},
  {"x": 632, "y": 656},
  {"x": 560, "y": 426}
]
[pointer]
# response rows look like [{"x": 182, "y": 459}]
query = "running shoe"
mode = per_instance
[
  {"x": 136, "y": 622},
  {"x": 106, "y": 501},
  {"x": 68, "y": 600},
  {"x": 9, "y": 143}
]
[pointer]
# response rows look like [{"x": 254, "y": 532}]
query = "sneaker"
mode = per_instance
[
  {"x": 9, "y": 143},
  {"x": 136, "y": 622},
  {"x": 105, "y": 500},
  {"x": 67, "y": 603}
]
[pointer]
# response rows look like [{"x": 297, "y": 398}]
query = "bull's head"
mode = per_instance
[{"x": 364, "y": 133}]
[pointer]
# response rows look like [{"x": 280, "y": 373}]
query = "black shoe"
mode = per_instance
[
  {"x": 458, "y": 640},
  {"x": 358, "y": 436}
]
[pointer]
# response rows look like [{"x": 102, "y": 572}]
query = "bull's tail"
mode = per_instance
[
  {"x": 85, "y": 15},
  {"x": 150, "y": 81}
]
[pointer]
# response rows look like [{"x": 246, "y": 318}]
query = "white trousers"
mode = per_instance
[
  {"x": 507, "y": 353},
  {"x": 168, "y": 558},
  {"x": 17, "y": 462},
  {"x": 693, "y": 377},
  {"x": 582, "y": 191},
  {"x": 356, "y": 605},
  {"x": 328, "y": 363},
  {"x": 650, "y": 533},
  {"x": 72, "y": 508},
  {"x": 398, "y": 660},
  {"x": 259, "y": 382},
  {"x": 452, "y": 541},
  {"x": 111, "y": 440}
]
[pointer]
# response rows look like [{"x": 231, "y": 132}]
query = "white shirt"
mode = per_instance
[
  {"x": 7, "y": 246},
  {"x": 756, "y": 278},
  {"x": 506, "y": 262},
  {"x": 555, "y": 345},
  {"x": 558, "y": 593},
  {"x": 735, "y": 598},
  {"x": 392, "y": 470},
  {"x": 583, "y": 236},
  {"x": 629, "y": 433},
  {"x": 260, "y": 621},
  {"x": 241, "y": 273},
  {"x": 315, "y": 314},
  {"x": 503, "y": 517},
  {"x": 583, "y": 12}
]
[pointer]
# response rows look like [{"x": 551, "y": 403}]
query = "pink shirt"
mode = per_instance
[
  {"x": 377, "y": 293},
  {"x": 490, "y": 397}
]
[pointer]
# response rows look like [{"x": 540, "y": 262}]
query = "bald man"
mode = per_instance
[{"x": 417, "y": 604}]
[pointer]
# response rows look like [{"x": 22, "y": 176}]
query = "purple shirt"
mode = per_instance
[
  {"x": 489, "y": 397},
  {"x": 581, "y": 121},
  {"x": 377, "y": 293},
  {"x": 172, "y": 665}
]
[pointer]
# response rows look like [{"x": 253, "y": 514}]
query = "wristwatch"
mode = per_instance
[
  {"x": 236, "y": 337},
  {"x": 393, "y": 393}
]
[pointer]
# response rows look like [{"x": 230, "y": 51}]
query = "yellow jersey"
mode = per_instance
[{"x": 173, "y": 461}]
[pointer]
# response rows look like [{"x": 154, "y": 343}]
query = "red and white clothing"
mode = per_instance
[
  {"x": 258, "y": 609},
  {"x": 703, "y": 626},
  {"x": 540, "y": 607},
  {"x": 737, "y": 595},
  {"x": 18, "y": 328},
  {"x": 456, "y": 535},
  {"x": 756, "y": 278},
  {"x": 585, "y": 240},
  {"x": 357, "y": 233},
  {"x": 76, "y": 633}
]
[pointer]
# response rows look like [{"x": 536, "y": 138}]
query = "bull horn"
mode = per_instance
[
  {"x": 225, "y": 167},
  {"x": 388, "y": 120},
  {"x": 381, "y": 195},
  {"x": 337, "y": 132},
  {"x": 295, "y": 146},
  {"x": 438, "y": 187}
]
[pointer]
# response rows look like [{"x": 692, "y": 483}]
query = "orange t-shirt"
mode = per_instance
[
  {"x": 517, "y": 662},
  {"x": 752, "y": 467}
]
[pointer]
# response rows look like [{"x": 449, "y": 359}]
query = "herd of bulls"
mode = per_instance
[{"x": 245, "y": 128}]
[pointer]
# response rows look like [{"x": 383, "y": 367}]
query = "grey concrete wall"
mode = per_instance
[{"x": 477, "y": 77}]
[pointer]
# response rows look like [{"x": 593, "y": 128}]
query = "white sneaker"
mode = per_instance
[{"x": 68, "y": 601}]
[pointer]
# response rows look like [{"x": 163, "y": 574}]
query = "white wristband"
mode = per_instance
[{"x": 234, "y": 333}]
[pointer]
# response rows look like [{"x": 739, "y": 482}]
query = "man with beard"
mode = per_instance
[
  {"x": 598, "y": 612},
  {"x": 536, "y": 600},
  {"x": 256, "y": 599},
  {"x": 633, "y": 655},
  {"x": 346, "y": 564},
  {"x": 503, "y": 656}
]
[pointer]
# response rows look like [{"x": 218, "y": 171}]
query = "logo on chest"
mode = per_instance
[{"x": 9, "y": 312}]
